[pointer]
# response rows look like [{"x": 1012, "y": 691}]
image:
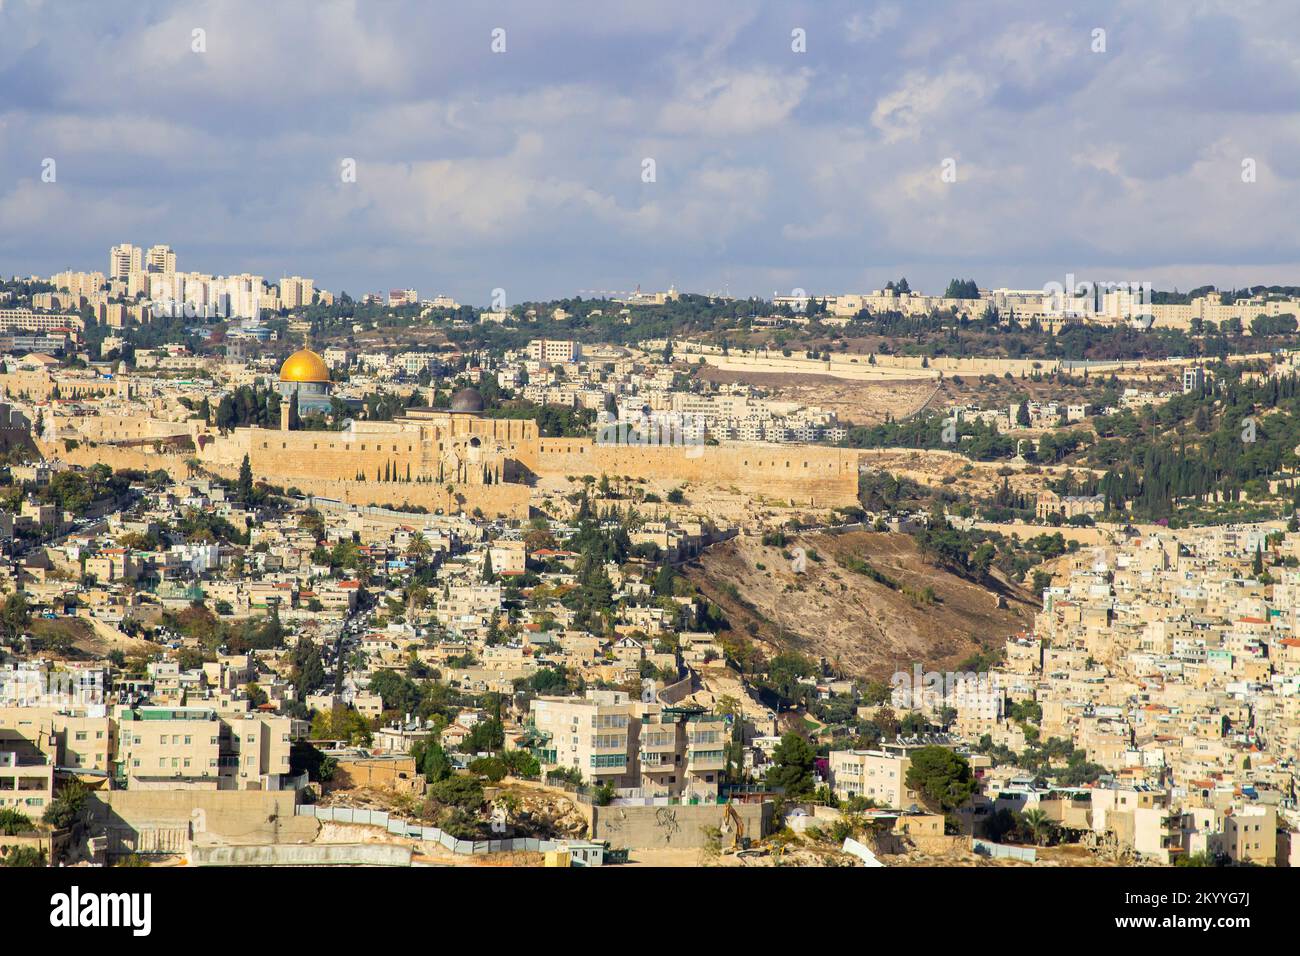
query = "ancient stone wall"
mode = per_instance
[
  {"x": 328, "y": 463},
  {"x": 143, "y": 457},
  {"x": 859, "y": 367},
  {"x": 503, "y": 500},
  {"x": 101, "y": 428},
  {"x": 812, "y": 475}
]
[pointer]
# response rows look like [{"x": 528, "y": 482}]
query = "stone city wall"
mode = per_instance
[
  {"x": 105, "y": 428},
  {"x": 812, "y": 475},
  {"x": 857, "y": 366},
  {"x": 142, "y": 458},
  {"x": 504, "y": 500}
]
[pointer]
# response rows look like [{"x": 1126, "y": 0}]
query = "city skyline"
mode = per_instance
[
  {"x": 619, "y": 436},
  {"x": 1117, "y": 155}
]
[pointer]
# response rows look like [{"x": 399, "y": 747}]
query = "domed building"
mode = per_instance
[
  {"x": 467, "y": 401},
  {"x": 305, "y": 377}
]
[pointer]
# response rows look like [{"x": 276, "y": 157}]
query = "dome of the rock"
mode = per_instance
[{"x": 304, "y": 366}]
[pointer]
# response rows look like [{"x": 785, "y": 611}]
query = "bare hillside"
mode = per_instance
[{"x": 863, "y": 606}]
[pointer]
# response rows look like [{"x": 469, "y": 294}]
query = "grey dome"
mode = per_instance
[{"x": 467, "y": 400}]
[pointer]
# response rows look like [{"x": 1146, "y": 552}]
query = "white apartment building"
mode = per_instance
[
  {"x": 641, "y": 748},
  {"x": 161, "y": 259},
  {"x": 123, "y": 260},
  {"x": 554, "y": 351},
  {"x": 29, "y": 321},
  {"x": 296, "y": 292}
]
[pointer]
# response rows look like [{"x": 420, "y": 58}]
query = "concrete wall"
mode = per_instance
[
  {"x": 165, "y": 821},
  {"x": 675, "y": 692},
  {"x": 323, "y": 854},
  {"x": 677, "y": 827}
]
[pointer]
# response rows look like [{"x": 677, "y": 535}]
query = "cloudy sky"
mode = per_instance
[{"x": 773, "y": 169}]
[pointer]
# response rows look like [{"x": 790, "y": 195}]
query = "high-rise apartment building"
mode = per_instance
[
  {"x": 124, "y": 260},
  {"x": 296, "y": 292},
  {"x": 162, "y": 259},
  {"x": 178, "y": 748},
  {"x": 553, "y": 351},
  {"x": 635, "y": 746}
]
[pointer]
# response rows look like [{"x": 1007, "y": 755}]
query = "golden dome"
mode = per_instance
[{"x": 304, "y": 366}]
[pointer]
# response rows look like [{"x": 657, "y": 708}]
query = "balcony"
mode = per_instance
[
  {"x": 652, "y": 745},
  {"x": 706, "y": 760},
  {"x": 608, "y": 764},
  {"x": 651, "y": 765}
]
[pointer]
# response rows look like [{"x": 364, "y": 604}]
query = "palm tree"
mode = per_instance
[
  {"x": 418, "y": 547},
  {"x": 1039, "y": 825},
  {"x": 192, "y": 466}
]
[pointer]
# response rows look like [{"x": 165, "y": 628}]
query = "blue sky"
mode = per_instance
[{"x": 774, "y": 169}]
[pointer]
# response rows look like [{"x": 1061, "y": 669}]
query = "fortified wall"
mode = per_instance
[
  {"x": 817, "y": 476},
  {"x": 860, "y": 367},
  {"x": 495, "y": 501},
  {"x": 129, "y": 428},
  {"x": 118, "y": 457},
  {"x": 457, "y": 459},
  {"x": 323, "y": 464},
  {"x": 451, "y": 448}
]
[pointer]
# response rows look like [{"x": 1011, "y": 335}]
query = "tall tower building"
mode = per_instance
[
  {"x": 123, "y": 260},
  {"x": 162, "y": 259},
  {"x": 296, "y": 291}
]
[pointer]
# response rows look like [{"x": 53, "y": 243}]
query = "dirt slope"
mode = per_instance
[{"x": 860, "y": 625}]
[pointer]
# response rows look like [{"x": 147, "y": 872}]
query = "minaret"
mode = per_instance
[{"x": 288, "y": 410}]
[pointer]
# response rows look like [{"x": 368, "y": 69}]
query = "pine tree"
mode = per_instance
[{"x": 244, "y": 487}]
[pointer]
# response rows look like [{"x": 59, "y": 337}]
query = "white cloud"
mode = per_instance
[
  {"x": 864, "y": 27},
  {"x": 737, "y": 103},
  {"x": 922, "y": 98}
]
